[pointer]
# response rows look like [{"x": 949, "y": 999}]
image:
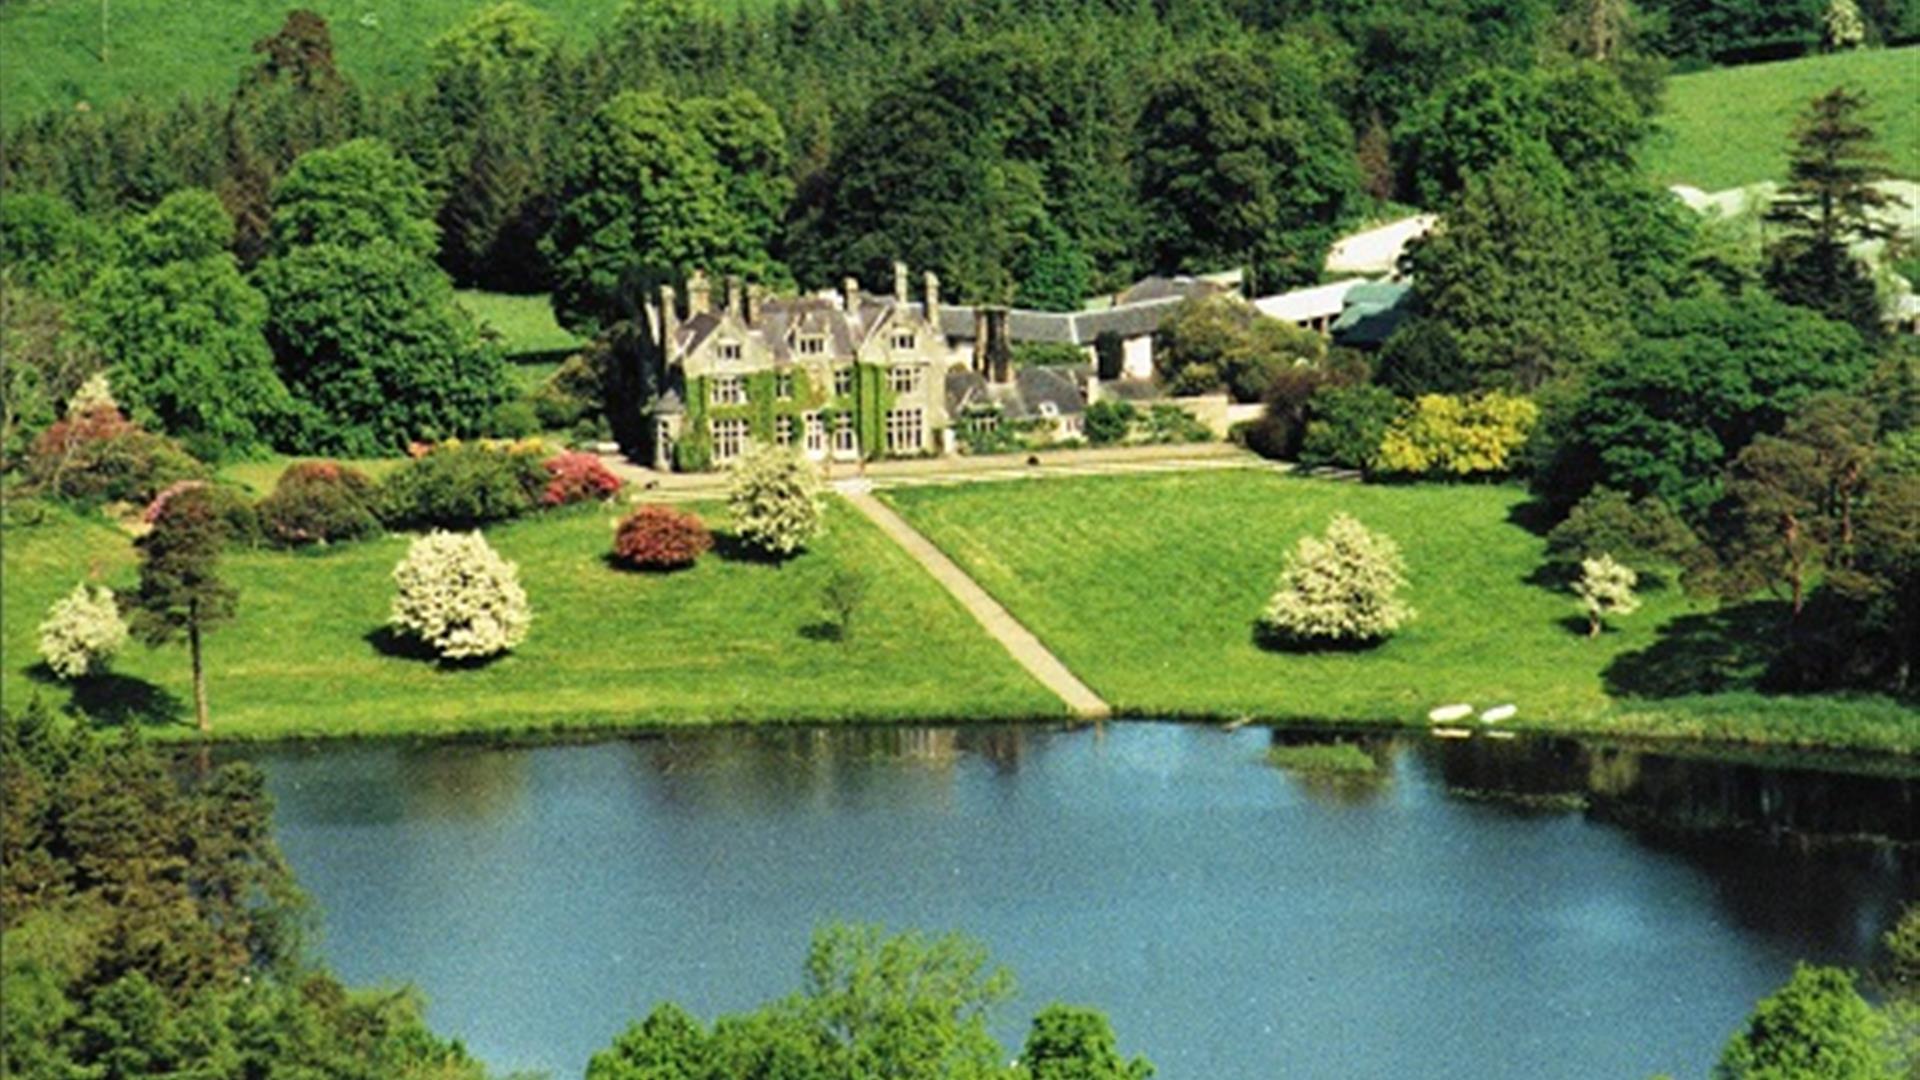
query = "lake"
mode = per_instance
[{"x": 1528, "y": 909}]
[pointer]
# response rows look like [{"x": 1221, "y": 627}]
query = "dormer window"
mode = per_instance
[
  {"x": 811, "y": 345},
  {"x": 903, "y": 341},
  {"x": 728, "y": 351}
]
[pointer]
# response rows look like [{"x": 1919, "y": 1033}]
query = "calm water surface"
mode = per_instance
[{"x": 1235, "y": 922}]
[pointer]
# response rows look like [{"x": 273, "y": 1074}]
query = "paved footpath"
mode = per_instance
[
  {"x": 651, "y": 486},
  {"x": 998, "y": 621}
]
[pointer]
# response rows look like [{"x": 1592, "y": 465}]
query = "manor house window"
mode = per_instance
[
  {"x": 728, "y": 351},
  {"x": 783, "y": 430},
  {"x": 811, "y": 345},
  {"x": 783, "y": 387},
  {"x": 728, "y": 390},
  {"x": 904, "y": 379},
  {"x": 816, "y": 433},
  {"x": 729, "y": 439},
  {"x": 903, "y": 342},
  {"x": 905, "y": 430},
  {"x": 844, "y": 439},
  {"x": 843, "y": 382}
]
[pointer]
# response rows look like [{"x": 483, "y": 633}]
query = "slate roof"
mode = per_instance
[
  {"x": 780, "y": 320},
  {"x": 1167, "y": 288},
  {"x": 1020, "y": 399},
  {"x": 1066, "y": 327}
]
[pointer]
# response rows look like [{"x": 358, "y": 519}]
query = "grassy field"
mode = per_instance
[
  {"x": 161, "y": 49},
  {"x": 1148, "y": 588},
  {"x": 729, "y": 640},
  {"x": 525, "y": 327},
  {"x": 1730, "y": 126}
]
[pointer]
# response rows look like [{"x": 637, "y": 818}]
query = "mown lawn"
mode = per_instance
[
  {"x": 1728, "y": 127},
  {"x": 1148, "y": 587},
  {"x": 729, "y": 640}
]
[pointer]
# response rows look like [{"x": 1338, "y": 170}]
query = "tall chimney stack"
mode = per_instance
[
  {"x": 755, "y": 300},
  {"x": 699, "y": 294},
  {"x": 850, "y": 288},
  {"x": 733, "y": 295},
  {"x": 669, "y": 321},
  {"x": 933, "y": 300},
  {"x": 900, "y": 283}
]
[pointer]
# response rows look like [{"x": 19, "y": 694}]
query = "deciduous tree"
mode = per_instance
[
  {"x": 457, "y": 596},
  {"x": 1815, "y": 1025},
  {"x": 184, "y": 332},
  {"x": 1243, "y": 162},
  {"x": 774, "y": 497},
  {"x": 1339, "y": 589}
]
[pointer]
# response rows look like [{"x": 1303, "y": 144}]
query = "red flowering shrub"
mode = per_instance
[
  {"x": 577, "y": 477},
  {"x": 319, "y": 502},
  {"x": 101, "y": 455},
  {"x": 238, "y": 519},
  {"x": 656, "y": 537}
]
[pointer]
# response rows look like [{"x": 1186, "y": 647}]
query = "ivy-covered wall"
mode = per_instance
[{"x": 868, "y": 404}]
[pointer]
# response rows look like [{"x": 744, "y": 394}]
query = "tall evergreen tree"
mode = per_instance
[{"x": 1827, "y": 205}]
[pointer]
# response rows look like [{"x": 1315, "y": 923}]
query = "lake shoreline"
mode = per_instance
[{"x": 1852, "y": 759}]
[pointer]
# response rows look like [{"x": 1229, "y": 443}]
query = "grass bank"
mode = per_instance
[
  {"x": 1148, "y": 587},
  {"x": 162, "y": 49},
  {"x": 1727, "y": 127},
  {"x": 727, "y": 641}
]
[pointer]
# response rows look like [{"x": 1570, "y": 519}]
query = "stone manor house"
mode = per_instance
[{"x": 851, "y": 376}]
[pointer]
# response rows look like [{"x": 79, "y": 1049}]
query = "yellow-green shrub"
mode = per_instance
[{"x": 1456, "y": 436}]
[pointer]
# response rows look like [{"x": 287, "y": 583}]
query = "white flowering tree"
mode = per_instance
[
  {"x": 1605, "y": 589},
  {"x": 775, "y": 499},
  {"x": 82, "y": 631},
  {"x": 458, "y": 597},
  {"x": 1340, "y": 588},
  {"x": 95, "y": 393},
  {"x": 1845, "y": 29}
]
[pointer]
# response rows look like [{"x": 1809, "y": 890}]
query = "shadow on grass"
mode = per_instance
[
  {"x": 1734, "y": 648},
  {"x": 540, "y": 356},
  {"x": 387, "y": 642},
  {"x": 110, "y": 700},
  {"x": 1535, "y": 515},
  {"x": 731, "y": 547},
  {"x": 616, "y": 563},
  {"x": 1558, "y": 575},
  {"x": 1280, "y": 643},
  {"x": 824, "y": 631}
]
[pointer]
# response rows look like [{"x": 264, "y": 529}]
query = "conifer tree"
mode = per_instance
[
  {"x": 181, "y": 591},
  {"x": 1828, "y": 204}
]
